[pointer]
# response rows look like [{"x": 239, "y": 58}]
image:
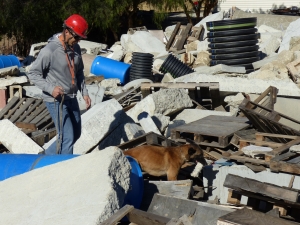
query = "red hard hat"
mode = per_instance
[{"x": 78, "y": 24}]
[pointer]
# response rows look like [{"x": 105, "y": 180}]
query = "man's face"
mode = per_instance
[{"x": 72, "y": 38}]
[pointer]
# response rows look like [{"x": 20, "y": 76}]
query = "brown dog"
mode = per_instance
[{"x": 160, "y": 161}]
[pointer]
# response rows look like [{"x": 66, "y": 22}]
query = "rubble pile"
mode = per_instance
[{"x": 246, "y": 122}]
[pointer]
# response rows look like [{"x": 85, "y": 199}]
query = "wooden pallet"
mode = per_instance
[
  {"x": 196, "y": 34},
  {"x": 199, "y": 92},
  {"x": 217, "y": 130},
  {"x": 276, "y": 196},
  {"x": 129, "y": 98},
  {"x": 178, "y": 37},
  {"x": 268, "y": 121},
  {"x": 32, "y": 116}
]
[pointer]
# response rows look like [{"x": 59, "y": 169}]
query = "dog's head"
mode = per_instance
[{"x": 195, "y": 153}]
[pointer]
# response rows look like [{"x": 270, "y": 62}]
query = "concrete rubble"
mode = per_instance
[{"x": 246, "y": 122}]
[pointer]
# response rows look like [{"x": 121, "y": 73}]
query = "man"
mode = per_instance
[{"x": 58, "y": 71}]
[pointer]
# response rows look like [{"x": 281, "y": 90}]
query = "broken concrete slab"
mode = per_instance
[
  {"x": 238, "y": 84},
  {"x": 215, "y": 177},
  {"x": 164, "y": 101},
  {"x": 292, "y": 30},
  {"x": 97, "y": 122},
  {"x": 12, "y": 80},
  {"x": 126, "y": 131},
  {"x": 220, "y": 68},
  {"x": 279, "y": 22},
  {"x": 9, "y": 133},
  {"x": 161, "y": 121},
  {"x": 94, "y": 187},
  {"x": 191, "y": 115},
  {"x": 92, "y": 48},
  {"x": 9, "y": 71},
  {"x": 147, "y": 123},
  {"x": 142, "y": 41}
]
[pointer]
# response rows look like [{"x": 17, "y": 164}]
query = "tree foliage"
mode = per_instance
[{"x": 31, "y": 21}]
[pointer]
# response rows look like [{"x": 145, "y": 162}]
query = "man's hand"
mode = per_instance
[
  {"x": 87, "y": 101},
  {"x": 57, "y": 91}
]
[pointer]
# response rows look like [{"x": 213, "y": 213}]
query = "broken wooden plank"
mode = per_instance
[
  {"x": 273, "y": 145},
  {"x": 30, "y": 126},
  {"x": 116, "y": 217},
  {"x": 261, "y": 136},
  {"x": 285, "y": 148},
  {"x": 284, "y": 167},
  {"x": 172, "y": 38},
  {"x": 270, "y": 190}
]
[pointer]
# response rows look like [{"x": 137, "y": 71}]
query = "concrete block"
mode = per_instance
[
  {"x": 123, "y": 133},
  {"x": 239, "y": 84},
  {"x": 161, "y": 121},
  {"x": 9, "y": 71},
  {"x": 215, "y": 177},
  {"x": 3, "y": 98},
  {"x": 220, "y": 68},
  {"x": 4, "y": 82},
  {"x": 92, "y": 48},
  {"x": 147, "y": 123},
  {"x": 145, "y": 42},
  {"x": 292, "y": 30},
  {"x": 97, "y": 122},
  {"x": 191, "y": 115},
  {"x": 164, "y": 101},
  {"x": 84, "y": 190},
  {"x": 9, "y": 133}
]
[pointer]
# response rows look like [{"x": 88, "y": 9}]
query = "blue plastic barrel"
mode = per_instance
[
  {"x": 9, "y": 60},
  {"x": 16, "y": 164},
  {"x": 109, "y": 68}
]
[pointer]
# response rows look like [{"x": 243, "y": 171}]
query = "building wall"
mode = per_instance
[{"x": 260, "y": 6}]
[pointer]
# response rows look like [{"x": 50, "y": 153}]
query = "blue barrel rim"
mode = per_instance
[{"x": 14, "y": 59}]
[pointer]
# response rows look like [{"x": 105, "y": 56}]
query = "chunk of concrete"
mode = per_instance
[
  {"x": 117, "y": 52},
  {"x": 9, "y": 71},
  {"x": 147, "y": 123},
  {"x": 269, "y": 44},
  {"x": 35, "y": 48},
  {"x": 4, "y": 82},
  {"x": 233, "y": 103},
  {"x": 84, "y": 190},
  {"x": 220, "y": 68},
  {"x": 142, "y": 41},
  {"x": 123, "y": 133},
  {"x": 293, "y": 30},
  {"x": 261, "y": 63},
  {"x": 111, "y": 86},
  {"x": 9, "y": 133},
  {"x": 161, "y": 121},
  {"x": 167, "y": 77},
  {"x": 239, "y": 84},
  {"x": 191, "y": 115},
  {"x": 295, "y": 148},
  {"x": 92, "y": 48},
  {"x": 164, "y": 101},
  {"x": 97, "y": 122}
]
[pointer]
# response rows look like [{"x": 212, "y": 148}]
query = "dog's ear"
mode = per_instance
[
  {"x": 189, "y": 141},
  {"x": 192, "y": 151}
]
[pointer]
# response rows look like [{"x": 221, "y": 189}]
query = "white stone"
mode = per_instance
[
  {"x": 123, "y": 133},
  {"x": 261, "y": 63},
  {"x": 35, "y": 48},
  {"x": 157, "y": 64},
  {"x": 253, "y": 150},
  {"x": 135, "y": 83},
  {"x": 12, "y": 80},
  {"x": 220, "y": 68},
  {"x": 87, "y": 189},
  {"x": 269, "y": 45},
  {"x": 147, "y": 123},
  {"x": 238, "y": 84},
  {"x": 295, "y": 148},
  {"x": 191, "y": 115},
  {"x": 164, "y": 101},
  {"x": 161, "y": 121},
  {"x": 97, "y": 122},
  {"x": 12, "y": 70},
  {"x": 92, "y": 48},
  {"x": 145, "y": 42},
  {"x": 292, "y": 31},
  {"x": 202, "y": 45},
  {"x": 15, "y": 140}
]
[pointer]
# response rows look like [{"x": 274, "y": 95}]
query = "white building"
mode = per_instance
[{"x": 259, "y": 6}]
